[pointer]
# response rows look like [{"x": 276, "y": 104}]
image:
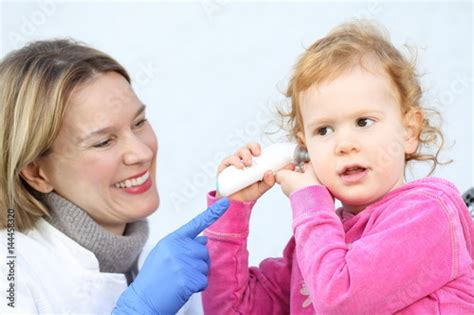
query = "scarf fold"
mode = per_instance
[{"x": 115, "y": 253}]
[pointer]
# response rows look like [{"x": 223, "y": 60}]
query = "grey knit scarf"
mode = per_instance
[{"x": 115, "y": 253}]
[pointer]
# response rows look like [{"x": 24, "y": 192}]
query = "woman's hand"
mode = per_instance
[
  {"x": 243, "y": 158},
  {"x": 174, "y": 270},
  {"x": 291, "y": 181}
]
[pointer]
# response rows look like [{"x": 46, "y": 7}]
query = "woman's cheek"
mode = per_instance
[{"x": 151, "y": 139}]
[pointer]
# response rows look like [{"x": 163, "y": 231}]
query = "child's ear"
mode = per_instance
[
  {"x": 300, "y": 138},
  {"x": 35, "y": 177},
  {"x": 413, "y": 123}
]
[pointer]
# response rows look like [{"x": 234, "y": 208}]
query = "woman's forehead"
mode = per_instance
[
  {"x": 101, "y": 102},
  {"x": 104, "y": 90}
]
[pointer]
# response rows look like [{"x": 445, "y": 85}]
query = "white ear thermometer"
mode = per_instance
[{"x": 273, "y": 157}]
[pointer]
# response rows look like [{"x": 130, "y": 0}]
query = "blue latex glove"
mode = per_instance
[{"x": 175, "y": 269}]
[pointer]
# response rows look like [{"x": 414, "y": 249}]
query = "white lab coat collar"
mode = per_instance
[{"x": 54, "y": 274}]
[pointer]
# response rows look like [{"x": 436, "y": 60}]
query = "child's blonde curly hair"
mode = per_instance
[{"x": 346, "y": 45}]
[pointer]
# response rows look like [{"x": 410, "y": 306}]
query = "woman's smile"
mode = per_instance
[{"x": 136, "y": 185}]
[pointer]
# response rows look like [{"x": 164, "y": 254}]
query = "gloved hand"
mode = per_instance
[{"x": 175, "y": 269}]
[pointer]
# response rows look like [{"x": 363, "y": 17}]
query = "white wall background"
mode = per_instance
[{"x": 212, "y": 72}]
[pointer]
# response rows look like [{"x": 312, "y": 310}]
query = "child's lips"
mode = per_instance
[
  {"x": 349, "y": 167},
  {"x": 352, "y": 178}
]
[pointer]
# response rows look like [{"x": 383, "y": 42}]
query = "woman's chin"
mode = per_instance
[
  {"x": 149, "y": 208},
  {"x": 140, "y": 208}
]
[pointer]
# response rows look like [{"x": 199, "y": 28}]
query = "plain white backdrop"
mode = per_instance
[{"x": 213, "y": 72}]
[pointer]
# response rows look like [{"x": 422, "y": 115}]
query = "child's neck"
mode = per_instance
[{"x": 354, "y": 209}]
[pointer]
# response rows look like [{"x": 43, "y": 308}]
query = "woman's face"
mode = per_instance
[{"x": 105, "y": 140}]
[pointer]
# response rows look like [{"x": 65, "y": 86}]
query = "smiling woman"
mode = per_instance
[
  {"x": 77, "y": 174},
  {"x": 42, "y": 84},
  {"x": 124, "y": 149}
]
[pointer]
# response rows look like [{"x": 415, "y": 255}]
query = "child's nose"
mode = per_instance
[{"x": 347, "y": 144}]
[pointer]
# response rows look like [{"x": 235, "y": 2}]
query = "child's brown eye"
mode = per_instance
[
  {"x": 323, "y": 131},
  {"x": 364, "y": 122}
]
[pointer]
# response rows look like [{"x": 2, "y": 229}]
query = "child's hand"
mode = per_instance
[
  {"x": 291, "y": 181},
  {"x": 243, "y": 158}
]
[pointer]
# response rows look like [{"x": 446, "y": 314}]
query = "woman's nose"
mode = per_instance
[{"x": 137, "y": 151}]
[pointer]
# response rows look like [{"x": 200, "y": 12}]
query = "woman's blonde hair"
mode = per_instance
[
  {"x": 349, "y": 44},
  {"x": 35, "y": 84}
]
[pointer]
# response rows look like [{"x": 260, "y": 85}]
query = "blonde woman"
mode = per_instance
[{"x": 77, "y": 174}]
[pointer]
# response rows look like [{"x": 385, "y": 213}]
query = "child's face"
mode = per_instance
[{"x": 356, "y": 119}]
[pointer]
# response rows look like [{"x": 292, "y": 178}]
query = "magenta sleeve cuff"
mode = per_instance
[
  {"x": 311, "y": 199},
  {"x": 235, "y": 220}
]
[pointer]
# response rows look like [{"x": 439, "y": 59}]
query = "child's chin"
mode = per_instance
[{"x": 355, "y": 201}]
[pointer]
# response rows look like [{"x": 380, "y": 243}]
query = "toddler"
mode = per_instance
[{"x": 392, "y": 247}]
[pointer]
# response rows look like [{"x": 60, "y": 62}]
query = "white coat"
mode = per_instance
[{"x": 55, "y": 275}]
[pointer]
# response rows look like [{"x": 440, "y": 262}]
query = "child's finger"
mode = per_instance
[
  {"x": 281, "y": 174},
  {"x": 254, "y": 148},
  {"x": 290, "y": 167},
  {"x": 245, "y": 155},
  {"x": 269, "y": 178},
  {"x": 307, "y": 166},
  {"x": 267, "y": 182},
  {"x": 231, "y": 160}
]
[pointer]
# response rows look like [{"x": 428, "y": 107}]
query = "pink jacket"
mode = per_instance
[{"x": 411, "y": 252}]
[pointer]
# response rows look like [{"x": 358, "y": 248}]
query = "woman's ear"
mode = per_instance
[
  {"x": 33, "y": 174},
  {"x": 413, "y": 123}
]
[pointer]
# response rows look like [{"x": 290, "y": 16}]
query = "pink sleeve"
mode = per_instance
[
  {"x": 403, "y": 255},
  {"x": 234, "y": 288}
]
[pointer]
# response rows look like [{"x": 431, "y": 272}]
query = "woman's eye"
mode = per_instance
[
  {"x": 102, "y": 144},
  {"x": 365, "y": 122},
  {"x": 140, "y": 123},
  {"x": 323, "y": 131}
]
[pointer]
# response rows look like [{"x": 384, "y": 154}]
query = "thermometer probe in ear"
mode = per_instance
[{"x": 273, "y": 157}]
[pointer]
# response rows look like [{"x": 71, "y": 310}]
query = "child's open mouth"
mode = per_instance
[
  {"x": 354, "y": 170},
  {"x": 353, "y": 174}
]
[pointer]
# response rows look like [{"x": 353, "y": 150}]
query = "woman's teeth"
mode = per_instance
[{"x": 133, "y": 182}]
